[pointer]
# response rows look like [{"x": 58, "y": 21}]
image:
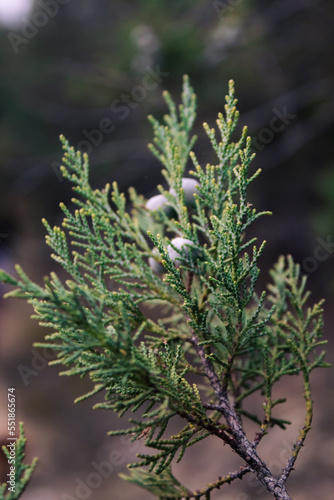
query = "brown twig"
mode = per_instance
[
  {"x": 239, "y": 441},
  {"x": 222, "y": 480}
]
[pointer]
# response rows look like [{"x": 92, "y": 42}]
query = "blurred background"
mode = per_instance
[{"x": 93, "y": 70}]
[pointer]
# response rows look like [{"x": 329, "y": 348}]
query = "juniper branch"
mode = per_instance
[
  {"x": 187, "y": 256},
  {"x": 22, "y": 471}
]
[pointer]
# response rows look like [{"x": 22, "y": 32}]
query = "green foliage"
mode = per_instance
[
  {"x": 23, "y": 472},
  {"x": 163, "y": 486},
  {"x": 211, "y": 325}
]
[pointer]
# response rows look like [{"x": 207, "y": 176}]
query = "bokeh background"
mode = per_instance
[{"x": 79, "y": 67}]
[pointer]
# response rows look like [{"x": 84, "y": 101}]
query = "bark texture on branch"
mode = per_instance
[{"x": 239, "y": 441}]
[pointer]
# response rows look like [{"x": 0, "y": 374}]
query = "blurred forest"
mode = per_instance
[{"x": 93, "y": 70}]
